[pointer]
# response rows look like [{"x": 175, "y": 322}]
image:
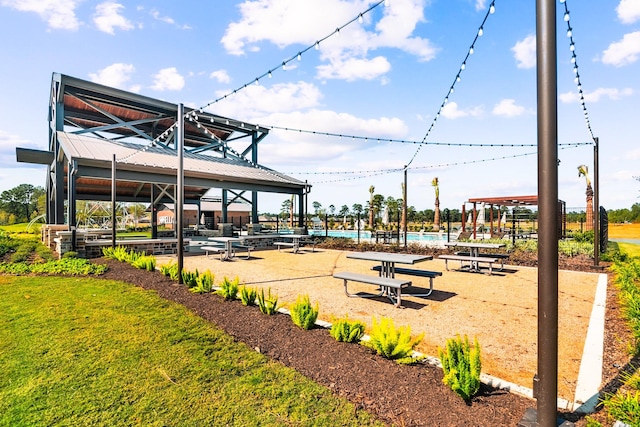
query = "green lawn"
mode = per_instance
[{"x": 83, "y": 351}]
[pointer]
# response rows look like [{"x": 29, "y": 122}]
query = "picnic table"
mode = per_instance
[
  {"x": 474, "y": 256},
  {"x": 230, "y": 246},
  {"x": 389, "y": 285},
  {"x": 296, "y": 241}
]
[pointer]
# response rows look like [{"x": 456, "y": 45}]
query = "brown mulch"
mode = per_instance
[{"x": 398, "y": 395}]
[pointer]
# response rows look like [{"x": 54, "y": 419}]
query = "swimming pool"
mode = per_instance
[{"x": 412, "y": 237}]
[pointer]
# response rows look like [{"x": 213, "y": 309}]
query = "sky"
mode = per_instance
[{"x": 387, "y": 84}]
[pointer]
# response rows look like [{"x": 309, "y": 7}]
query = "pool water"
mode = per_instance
[{"x": 366, "y": 235}]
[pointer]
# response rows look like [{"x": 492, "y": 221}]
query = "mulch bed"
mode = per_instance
[{"x": 399, "y": 395}]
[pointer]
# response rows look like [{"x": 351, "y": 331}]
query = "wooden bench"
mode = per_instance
[
  {"x": 243, "y": 248},
  {"x": 413, "y": 272},
  {"x": 386, "y": 285},
  {"x": 470, "y": 259},
  {"x": 501, "y": 257},
  {"x": 215, "y": 249}
]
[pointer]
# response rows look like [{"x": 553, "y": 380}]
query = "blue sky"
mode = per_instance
[{"x": 386, "y": 78}]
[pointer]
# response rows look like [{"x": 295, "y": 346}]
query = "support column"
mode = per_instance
[{"x": 179, "y": 206}]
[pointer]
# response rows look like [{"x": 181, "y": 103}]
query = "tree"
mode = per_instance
[
  {"x": 371, "y": 190},
  {"x": 21, "y": 201},
  {"x": 316, "y": 207},
  {"x": 332, "y": 209},
  {"x": 378, "y": 203},
  {"x": 583, "y": 171},
  {"x": 436, "y": 218}
]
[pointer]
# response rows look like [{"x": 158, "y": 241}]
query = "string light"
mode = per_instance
[
  {"x": 457, "y": 78},
  {"x": 298, "y": 56},
  {"x": 576, "y": 71}
]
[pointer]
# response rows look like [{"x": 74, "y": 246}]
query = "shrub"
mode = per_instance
[
  {"x": 303, "y": 314},
  {"x": 145, "y": 262},
  {"x": 204, "y": 283},
  {"x": 170, "y": 270},
  {"x": 70, "y": 254},
  {"x": 624, "y": 407},
  {"x": 269, "y": 304},
  {"x": 345, "y": 330},
  {"x": 248, "y": 295},
  {"x": 461, "y": 366},
  {"x": 228, "y": 289},
  {"x": 189, "y": 277},
  {"x": 392, "y": 343}
]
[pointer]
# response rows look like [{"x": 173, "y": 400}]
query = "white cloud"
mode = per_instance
[
  {"x": 628, "y": 11},
  {"x": 168, "y": 79},
  {"x": 303, "y": 147},
  {"x": 107, "y": 18},
  {"x": 524, "y": 52},
  {"x": 166, "y": 19},
  {"x": 480, "y": 4},
  {"x": 593, "y": 97},
  {"x": 353, "y": 69},
  {"x": 114, "y": 75},
  {"x": 258, "y": 100},
  {"x": 451, "y": 111},
  {"x": 59, "y": 14},
  {"x": 298, "y": 22},
  {"x": 508, "y": 108},
  {"x": 221, "y": 76},
  {"x": 633, "y": 155},
  {"x": 623, "y": 52},
  {"x": 8, "y": 144}
]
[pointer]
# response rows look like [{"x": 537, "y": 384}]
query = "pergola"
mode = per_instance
[
  {"x": 91, "y": 125},
  {"x": 512, "y": 201}
]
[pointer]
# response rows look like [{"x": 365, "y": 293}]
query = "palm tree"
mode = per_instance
[
  {"x": 436, "y": 216},
  {"x": 584, "y": 171},
  {"x": 371, "y": 190}
]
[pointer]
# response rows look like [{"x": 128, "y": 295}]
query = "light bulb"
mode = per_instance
[
  {"x": 463, "y": 66},
  {"x": 386, "y": 3},
  {"x": 299, "y": 56},
  {"x": 284, "y": 66},
  {"x": 256, "y": 82},
  {"x": 270, "y": 74},
  {"x": 566, "y": 17},
  {"x": 573, "y": 59},
  {"x": 569, "y": 32},
  {"x": 360, "y": 19},
  {"x": 471, "y": 50},
  {"x": 317, "y": 45},
  {"x": 451, "y": 90},
  {"x": 480, "y": 32},
  {"x": 492, "y": 9},
  {"x": 457, "y": 78},
  {"x": 572, "y": 47}
]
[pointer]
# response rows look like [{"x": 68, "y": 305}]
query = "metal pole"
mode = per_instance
[
  {"x": 113, "y": 202},
  {"x": 180, "y": 190},
  {"x": 547, "y": 385},
  {"x": 404, "y": 207},
  {"x": 596, "y": 204}
]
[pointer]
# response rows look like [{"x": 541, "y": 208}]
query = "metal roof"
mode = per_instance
[
  {"x": 137, "y": 165},
  {"x": 507, "y": 200}
]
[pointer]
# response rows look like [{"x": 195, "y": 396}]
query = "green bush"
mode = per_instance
[
  {"x": 145, "y": 262},
  {"x": 267, "y": 304},
  {"x": 66, "y": 266},
  {"x": 248, "y": 295},
  {"x": 624, "y": 407},
  {"x": 70, "y": 254},
  {"x": 204, "y": 283},
  {"x": 303, "y": 314},
  {"x": 229, "y": 288},
  {"x": 392, "y": 343},
  {"x": 189, "y": 277},
  {"x": 461, "y": 366},
  {"x": 345, "y": 330}
]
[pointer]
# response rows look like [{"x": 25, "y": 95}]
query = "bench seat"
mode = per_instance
[
  {"x": 243, "y": 248},
  {"x": 414, "y": 272},
  {"x": 470, "y": 259},
  {"x": 385, "y": 283},
  {"x": 501, "y": 257},
  {"x": 281, "y": 244},
  {"x": 215, "y": 249}
]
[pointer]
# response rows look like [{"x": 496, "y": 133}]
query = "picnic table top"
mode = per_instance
[{"x": 390, "y": 257}]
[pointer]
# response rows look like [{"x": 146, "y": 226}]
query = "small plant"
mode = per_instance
[
  {"x": 145, "y": 262},
  {"x": 392, "y": 343},
  {"x": 345, "y": 330},
  {"x": 70, "y": 254},
  {"x": 204, "y": 283},
  {"x": 166, "y": 270},
  {"x": 267, "y": 304},
  {"x": 189, "y": 277},
  {"x": 248, "y": 295},
  {"x": 461, "y": 366},
  {"x": 624, "y": 407},
  {"x": 303, "y": 314},
  {"x": 228, "y": 289}
]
